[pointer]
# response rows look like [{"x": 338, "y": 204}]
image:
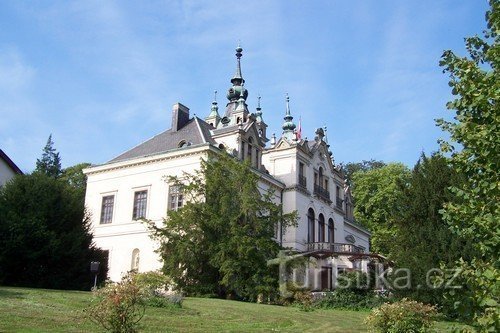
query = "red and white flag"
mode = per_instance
[{"x": 299, "y": 129}]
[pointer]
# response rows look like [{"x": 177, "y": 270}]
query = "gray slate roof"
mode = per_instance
[{"x": 195, "y": 132}]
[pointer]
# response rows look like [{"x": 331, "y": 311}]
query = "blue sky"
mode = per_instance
[{"x": 102, "y": 76}]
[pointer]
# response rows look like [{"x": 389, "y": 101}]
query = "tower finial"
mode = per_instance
[
  {"x": 288, "y": 125},
  {"x": 258, "y": 113},
  {"x": 238, "y": 77},
  {"x": 288, "y": 105},
  {"x": 215, "y": 96}
]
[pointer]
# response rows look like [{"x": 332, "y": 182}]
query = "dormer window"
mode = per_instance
[{"x": 183, "y": 144}]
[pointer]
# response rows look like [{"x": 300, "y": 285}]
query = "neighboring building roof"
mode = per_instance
[
  {"x": 10, "y": 163},
  {"x": 196, "y": 131}
]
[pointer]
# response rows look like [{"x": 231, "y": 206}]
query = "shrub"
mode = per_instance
[
  {"x": 118, "y": 307},
  {"x": 155, "y": 288},
  {"x": 402, "y": 317},
  {"x": 349, "y": 300}
]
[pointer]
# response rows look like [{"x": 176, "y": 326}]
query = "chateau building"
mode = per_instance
[{"x": 301, "y": 172}]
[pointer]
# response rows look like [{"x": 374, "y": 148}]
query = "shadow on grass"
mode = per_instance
[{"x": 11, "y": 294}]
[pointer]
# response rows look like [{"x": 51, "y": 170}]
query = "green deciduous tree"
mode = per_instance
[
  {"x": 377, "y": 193},
  {"x": 475, "y": 152},
  {"x": 75, "y": 178},
  {"x": 220, "y": 241},
  {"x": 50, "y": 162},
  {"x": 352, "y": 167}
]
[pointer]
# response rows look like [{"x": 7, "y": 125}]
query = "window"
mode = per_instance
[
  {"x": 331, "y": 230},
  {"x": 302, "y": 178},
  {"x": 176, "y": 198},
  {"x": 310, "y": 225},
  {"x": 249, "y": 151},
  {"x": 135, "y": 260},
  {"x": 321, "y": 231},
  {"x": 107, "y": 209},
  {"x": 140, "y": 204},
  {"x": 256, "y": 158}
]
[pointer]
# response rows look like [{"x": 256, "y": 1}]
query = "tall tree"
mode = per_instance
[
  {"x": 377, "y": 194},
  {"x": 75, "y": 178},
  {"x": 475, "y": 152},
  {"x": 44, "y": 235},
  {"x": 221, "y": 240},
  {"x": 423, "y": 240},
  {"x": 365, "y": 165},
  {"x": 50, "y": 162}
]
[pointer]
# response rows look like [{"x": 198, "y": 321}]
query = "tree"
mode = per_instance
[
  {"x": 75, "y": 178},
  {"x": 44, "y": 235},
  {"x": 50, "y": 162},
  {"x": 423, "y": 240},
  {"x": 474, "y": 145},
  {"x": 220, "y": 241},
  {"x": 365, "y": 165},
  {"x": 377, "y": 194}
]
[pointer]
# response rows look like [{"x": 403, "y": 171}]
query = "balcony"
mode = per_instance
[
  {"x": 339, "y": 203},
  {"x": 321, "y": 192},
  {"x": 303, "y": 181},
  {"x": 335, "y": 248}
]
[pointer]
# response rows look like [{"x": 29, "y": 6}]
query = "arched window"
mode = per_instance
[
  {"x": 310, "y": 225},
  {"x": 135, "y": 260},
  {"x": 331, "y": 230},
  {"x": 321, "y": 229}
]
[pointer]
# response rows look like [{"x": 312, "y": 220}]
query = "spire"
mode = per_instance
[
  {"x": 258, "y": 113},
  {"x": 215, "y": 108},
  {"x": 238, "y": 78},
  {"x": 236, "y": 90},
  {"x": 288, "y": 125}
]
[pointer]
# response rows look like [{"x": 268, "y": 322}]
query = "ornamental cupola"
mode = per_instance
[
  {"x": 214, "y": 118},
  {"x": 288, "y": 125},
  {"x": 236, "y": 108}
]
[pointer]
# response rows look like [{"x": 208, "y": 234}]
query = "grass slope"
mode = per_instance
[{"x": 40, "y": 310}]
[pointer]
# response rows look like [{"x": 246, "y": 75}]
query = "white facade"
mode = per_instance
[{"x": 301, "y": 173}]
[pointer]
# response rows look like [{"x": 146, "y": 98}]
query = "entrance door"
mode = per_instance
[{"x": 326, "y": 278}]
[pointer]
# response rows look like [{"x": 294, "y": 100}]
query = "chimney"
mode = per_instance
[{"x": 180, "y": 116}]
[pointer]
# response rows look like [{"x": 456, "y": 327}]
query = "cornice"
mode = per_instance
[{"x": 169, "y": 155}]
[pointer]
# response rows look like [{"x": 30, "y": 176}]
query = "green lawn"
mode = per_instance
[{"x": 40, "y": 310}]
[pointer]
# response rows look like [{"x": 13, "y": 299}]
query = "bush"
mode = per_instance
[
  {"x": 155, "y": 288},
  {"x": 349, "y": 300},
  {"x": 118, "y": 307},
  {"x": 402, "y": 317}
]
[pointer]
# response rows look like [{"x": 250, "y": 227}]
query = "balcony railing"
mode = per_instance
[
  {"x": 339, "y": 203},
  {"x": 321, "y": 192},
  {"x": 334, "y": 247},
  {"x": 302, "y": 181}
]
